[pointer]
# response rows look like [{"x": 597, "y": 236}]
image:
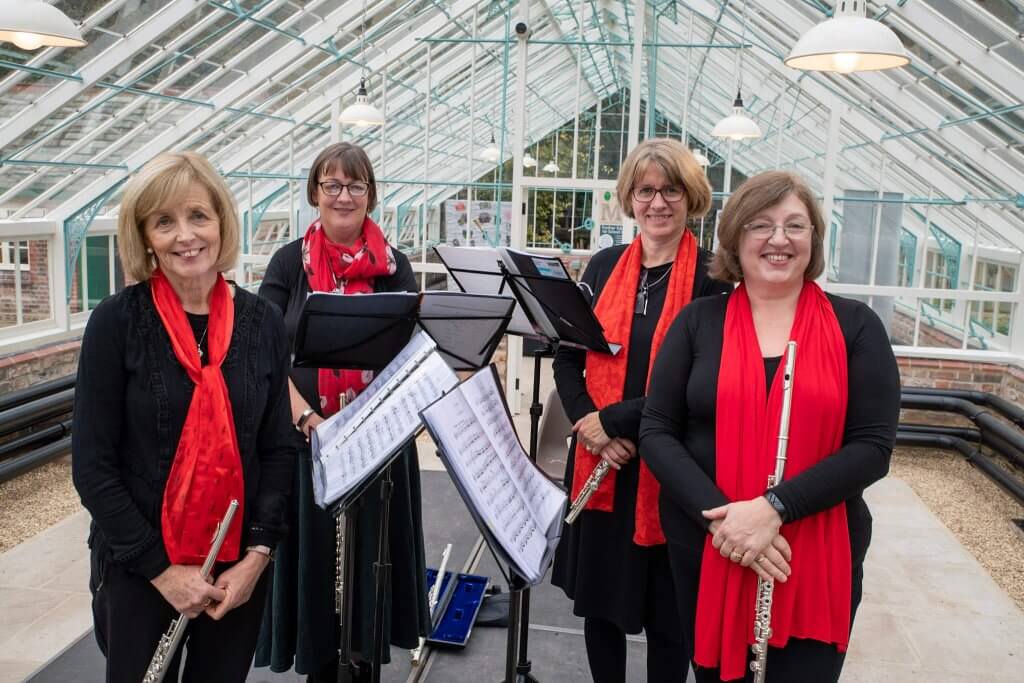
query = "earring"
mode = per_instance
[{"x": 149, "y": 250}]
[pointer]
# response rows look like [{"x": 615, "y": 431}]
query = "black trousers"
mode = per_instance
[
  {"x": 800, "y": 661},
  {"x": 130, "y": 615}
]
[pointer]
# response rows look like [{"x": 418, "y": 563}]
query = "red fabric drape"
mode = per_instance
[
  {"x": 815, "y": 602},
  {"x": 606, "y": 375},
  {"x": 207, "y": 470},
  {"x": 331, "y": 267}
]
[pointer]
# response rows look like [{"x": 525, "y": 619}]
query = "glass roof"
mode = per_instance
[{"x": 253, "y": 84}]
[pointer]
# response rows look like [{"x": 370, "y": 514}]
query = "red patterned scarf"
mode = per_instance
[
  {"x": 815, "y": 602},
  {"x": 207, "y": 470},
  {"x": 606, "y": 375},
  {"x": 331, "y": 267}
]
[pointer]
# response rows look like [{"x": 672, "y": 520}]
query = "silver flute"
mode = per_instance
[
  {"x": 432, "y": 600},
  {"x": 766, "y": 587},
  {"x": 169, "y": 641},
  {"x": 589, "y": 487}
]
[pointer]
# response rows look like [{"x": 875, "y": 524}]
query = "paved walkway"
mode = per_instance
[{"x": 930, "y": 611}]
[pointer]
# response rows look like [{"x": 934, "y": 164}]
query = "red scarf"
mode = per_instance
[
  {"x": 332, "y": 267},
  {"x": 606, "y": 375},
  {"x": 207, "y": 470},
  {"x": 815, "y": 601}
]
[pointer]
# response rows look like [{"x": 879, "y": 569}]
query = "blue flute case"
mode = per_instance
[{"x": 457, "y": 607}]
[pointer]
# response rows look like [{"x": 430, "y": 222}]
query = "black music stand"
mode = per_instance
[
  {"x": 558, "y": 313},
  {"x": 366, "y": 332}
]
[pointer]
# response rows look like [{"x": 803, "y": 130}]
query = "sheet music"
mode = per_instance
[
  {"x": 354, "y": 443},
  {"x": 516, "y": 502}
]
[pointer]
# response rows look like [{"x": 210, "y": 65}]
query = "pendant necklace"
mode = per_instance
[
  {"x": 199, "y": 346},
  {"x": 640, "y": 306}
]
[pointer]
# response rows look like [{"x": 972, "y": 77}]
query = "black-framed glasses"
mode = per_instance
[
  {"x": 669, "y": 194},
  {"x": 332, "y": 188},
  {"x": 765, "y": 229}
]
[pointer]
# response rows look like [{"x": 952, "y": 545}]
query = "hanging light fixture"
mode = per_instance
[
  {"x": 737, "y": 125},
  {"x": 491, "y": 152},
  {"x": 31, "y": 24},
  {"x": 848, "y": 42},
  {"x": 700, "y": 158},
  {"x": 551, "y": 167},
  {"x": 529, "y": 161},
  {"x": 362, "y": 113}
]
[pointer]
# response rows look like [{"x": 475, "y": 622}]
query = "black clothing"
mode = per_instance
[
  {"x": 606, "y": 654},
  {"x": 677, "y": 436},
  {"x": 597, "y": 564},
  {"x": 131, "y": 399},
  {"x": 130, "y": 616},
  {"x": 300, "y": 624}
]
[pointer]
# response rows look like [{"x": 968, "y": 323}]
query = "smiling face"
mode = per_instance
[
  {"x": 342, "y": 216},
  {"x": 779, "y": 260},
  {"x": 184, "y": 235},
  {"x": 659, "y": 221}
]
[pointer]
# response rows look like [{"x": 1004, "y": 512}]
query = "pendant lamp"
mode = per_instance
[
  {"x": 491, "y": 151},
  {"x": 362, "y": 113},
  {"x": 31, "y": 24},
  {"x": 737, "y": 125},
  {"x": 551, "y": 167},
  {"x": 700, "y": 158},
  {"x": 848, "y": 42},
  {"x": 529, "y": 161}
]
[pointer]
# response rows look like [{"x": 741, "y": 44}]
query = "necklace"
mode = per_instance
[
  {"x": 640, "y": 306},
  {"x": 199, "y": 346}
]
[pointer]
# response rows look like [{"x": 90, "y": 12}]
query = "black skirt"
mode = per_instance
[
  {"x": 606, "y": 574},
  {"x": 300, "y": 626}
]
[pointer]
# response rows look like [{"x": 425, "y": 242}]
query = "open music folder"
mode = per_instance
[
  {"x": 518, "y": 509},
  {"x": 359, "y": 440}
]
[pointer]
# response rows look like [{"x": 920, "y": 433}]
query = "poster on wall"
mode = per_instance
[
  {"x": 609, "y": 234},
  {"x": 477, "y": 224},
  {"x": 609, "y": 219}
]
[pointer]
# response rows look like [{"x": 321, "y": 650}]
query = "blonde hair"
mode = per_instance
[
  {"x": 349, "y": 159},
  {"x": 756, "y": 194},
  {"x": 158, "y": 184},
  {"x": 678, "y": 165}
]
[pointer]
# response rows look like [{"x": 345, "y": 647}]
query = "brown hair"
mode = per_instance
[
  {"x": 349, "y": 159},
  {"x": 678, "y": 165},
  {"x": 752, "y": 197},
  {"x": 162, "y": 181}
]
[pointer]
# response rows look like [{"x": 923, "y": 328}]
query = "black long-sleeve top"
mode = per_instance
[
  {"x": 677, "y": 432},
  {"x": 622, "y": 419},
  {"x": 131, "y": 399},
  {"x": 286, "y": 285}
]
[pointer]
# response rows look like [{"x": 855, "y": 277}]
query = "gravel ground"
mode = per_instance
[
  {"x": 977, "y": 511},
  {"x": 973, "y": 507},
  {"x": 36, "y": 500}
]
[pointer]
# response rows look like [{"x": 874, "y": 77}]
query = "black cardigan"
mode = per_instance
[{"x": 131, "y": 399}]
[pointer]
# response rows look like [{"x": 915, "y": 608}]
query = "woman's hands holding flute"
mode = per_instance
[
  {"x": 747, "y": 532},
  {"x": 184, "y": 587}
]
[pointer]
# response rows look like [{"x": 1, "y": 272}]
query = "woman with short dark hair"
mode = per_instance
[
  {"x": 343, "y": 251},
  {"x": 710, "y": 430}
]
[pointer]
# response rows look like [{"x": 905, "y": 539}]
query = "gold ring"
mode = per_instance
[
  {"x": 735, "y": 557},
  {"x": 761, "y": 558}
]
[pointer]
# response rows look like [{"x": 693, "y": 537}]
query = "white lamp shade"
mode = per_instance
[
  {"x": 362, "y": 113},
  {"x": 490, "y": 152},
  {"x": 700, "y": 157},
  {"x": 31, "y": 24},
  {"x": 529, "y": 161},
  {"x": 551, "y": 167},
  {"x": 847, "y": 43},
  {"x": 736, "y": 126}
]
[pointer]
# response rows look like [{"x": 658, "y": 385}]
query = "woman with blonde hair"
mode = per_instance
[
  {"x": 612, "y": 561},
  {"x": 181, "y": 406},
  {"x": 710, "y": 428}
]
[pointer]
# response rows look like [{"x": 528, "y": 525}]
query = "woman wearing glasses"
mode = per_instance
[
  {"x": 343, "y": 251},
  {"x": 612, "y": 561},
  {"x": 709, "y": 434}
]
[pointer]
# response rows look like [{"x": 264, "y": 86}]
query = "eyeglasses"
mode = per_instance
[
  {"x": 765, "y": 230},
  {"x": 333, "y": 188},
  {"x": 669, "y": 194}
]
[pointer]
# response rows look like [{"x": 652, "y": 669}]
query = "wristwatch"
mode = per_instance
[
  {"x": 303, "y": 419},
  {"x": 777, "y": 504},
  {"x": 262, "y": 550}
]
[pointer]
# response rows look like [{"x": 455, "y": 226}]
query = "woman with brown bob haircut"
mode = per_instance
[
  {"x": 612, "y": 561},
  {"x": 710, "y": 431},
  {"x": 181, "y": 406},
  {"x": 343, "y": 251}
]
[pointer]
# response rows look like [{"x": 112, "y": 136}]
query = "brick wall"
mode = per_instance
[
  {"x": 21, "y": 370},
  {"x": 35, "y": 289}
]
